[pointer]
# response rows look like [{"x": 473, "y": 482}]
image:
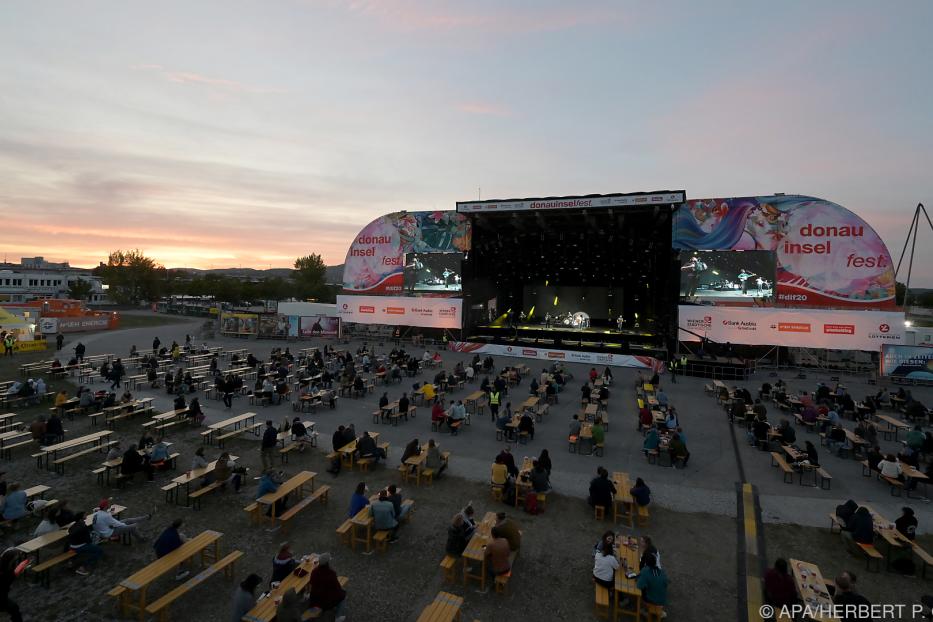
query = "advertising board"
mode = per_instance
[
  {"x": 401, "y": 311},
  {"x": 836, "y": 329}
]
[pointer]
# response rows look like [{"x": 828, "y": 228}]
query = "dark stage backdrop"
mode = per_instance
[{"x": 594, "y": 301}]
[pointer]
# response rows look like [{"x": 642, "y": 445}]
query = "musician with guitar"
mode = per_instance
[{"x": 744, "y": 276}]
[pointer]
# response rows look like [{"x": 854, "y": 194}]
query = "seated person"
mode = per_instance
[
  {"x": 325, "y": 591},
  {"x": 384, "y": 516},
  {"x": 640, "y": 492},
  {"x": 678, "y": 450},
  {"x": 527, "y": 424},
  {"x": 601, "y": 490},
  {"x": 159, "y": 456},
  {"x": 509, "y": 530},
  {"x": 134, "y": 463},
  {"x": 300, "y": 434},
  {"x": 652, "y": 581},
  {"x": 367, "y": 447},
  {"x": 457, "y": 414},
  {"x": 433, "y": 460},
  {"x": 438, "y": 416},
  {"x": 652, "y": 441},
  {"x": 283, "y": 563},
  {"x": 497, "y": 555},
  {"x": 788, "y": 434},
  {"x": 540, "y": 482},
  {"x": 779, "y": 585}
]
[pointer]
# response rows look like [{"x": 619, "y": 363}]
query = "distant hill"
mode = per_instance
[{"x": 334, "y": 273}]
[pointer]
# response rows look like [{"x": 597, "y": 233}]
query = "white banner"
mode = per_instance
[
  {"x": 657, "y": 198},
  {"x": 401, "y": 311},
  {"x": 802, "y": 328},
  {"x": 565, "y": 356}
]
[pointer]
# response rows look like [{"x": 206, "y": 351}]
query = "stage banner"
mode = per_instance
[
  {"x": 319, "y": 326},
  {"x": 273, "y": 325},
  {"x": 239, "y": 323},
  {"x": 838, "y": 329},
  {"x": 29, "y": 346},
  {"x": 401, "y": 311},
  {"x": 79, "y": 324},
  {"x": 826, "y": 255},
  {"x": 581, "y": 202},
  {"x": 375, "y": 263},
  {"x": 564, "y": 356},
  {"x": 914, "y": 362}
]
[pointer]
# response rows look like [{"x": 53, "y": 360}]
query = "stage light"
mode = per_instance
[
  {"x": 532, "y": 312},
  {"x": 546, "y": 282},
  {"x": 555, "y": 301}
]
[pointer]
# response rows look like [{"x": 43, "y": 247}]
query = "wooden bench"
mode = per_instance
[
  {"x": 810, "y": 425},
  {"x": 602, "y": 601},
  {"x": 160, "y": 607},
  {"x": 235, "y": 433},
  {"x": 42, "y": 570},
  {"x": 642, "y": 513},
  {"x": 895, "y": 484},
  {"x": 449, "y": 566},
  {"x": 381, "y": 539},
  {"x": 363, "y": 464},
  {"x": 778, "y": 460},
  {"x": 170, "y": 490},
  {"x": 502, "y": 582},
  {"x": 60, "y": 462},
  {"x": 8, "y": 449},
  {"x": 290, "y": 513},
  {"x": 871, "y": 553},
  {"x": 345, "y": 532},
  {"x": 200, "y": 492},
  {"x": 925, "y": 557},
  {"x": 826, "y": 480}
]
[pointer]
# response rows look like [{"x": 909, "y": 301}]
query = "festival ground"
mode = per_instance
[{"x": 692, "y": 513}]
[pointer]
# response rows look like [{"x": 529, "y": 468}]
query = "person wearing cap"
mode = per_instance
[
  {"x": 384, "y": 516},
  {"x": 79, "y": 540},
  {"x": 326, "y": 593},
  {"x": 283, "y": 563},
  {"x": 107, "y": 526}
]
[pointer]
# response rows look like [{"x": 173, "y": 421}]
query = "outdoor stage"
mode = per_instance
[{"x": 592, "y": 339}]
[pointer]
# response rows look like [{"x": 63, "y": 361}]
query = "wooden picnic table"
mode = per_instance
[
  {"x": 295, "y": 483},
  {"x": 349, "y": 449},
  {"x": 138, "y": 583},
  {"x": 297, "y": 580},
  {"x": 592, "y": 409},
  {"x": 811, "y": 588},
  {"x": 719, "y": 384},
  {"x": 38, "y": 543},
  {"x": 626, "y": 549},
  {"x": 444, "y": 608},
  {"x": 6, "y": 420},
  {"x": 245, "y": 418},
  {"x": 529, "y": 403},
  {"x": 195, "y": 475},
  {"x": 523, "y": 487},
  {"x": 892, "y": 424},
  {"x": 471, "y": 399},
  {"x": 475, "y": 551},
  {"x": 95, "y": 438}
]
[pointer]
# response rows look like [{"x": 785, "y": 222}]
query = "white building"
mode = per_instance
[{"x": 35, "y": 279}]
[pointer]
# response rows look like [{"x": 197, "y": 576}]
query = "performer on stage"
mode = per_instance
[
  {"x": 744, "y": 275},
  {"x": 447, "y": 275},
  {"x": 547, "y": 320},
  {"x": 694, "y": 268},
  {"x": 620, "y": 321},
  {"x": 521, "y": 316}
]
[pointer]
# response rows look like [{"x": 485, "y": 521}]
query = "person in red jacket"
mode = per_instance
[
  {"x": 779, "y": 585},
  {"x": 326, "y": 593}
]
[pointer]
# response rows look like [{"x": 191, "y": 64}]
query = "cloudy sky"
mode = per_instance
[{"x": 233, "y": 132}]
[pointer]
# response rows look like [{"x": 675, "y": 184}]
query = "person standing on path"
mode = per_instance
[
  {"x": 59, "y": 341},
  {"x": 269, "y": 442}
]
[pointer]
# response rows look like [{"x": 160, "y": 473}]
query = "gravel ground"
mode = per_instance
[{"x": 692, "y": 517}]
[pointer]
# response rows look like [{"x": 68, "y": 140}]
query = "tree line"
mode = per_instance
[{"x": 132, "y": 278}]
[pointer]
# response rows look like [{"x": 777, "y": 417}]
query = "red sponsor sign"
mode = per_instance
[
  {"x": 839, "y": 329},
  {"x": 367, "y": 309},
  {"x": 793, "y": 327},
  {"x": 395, "y": 310},
  {"x": 555, "y": 355},
  {"x": 526, "y": 352}
]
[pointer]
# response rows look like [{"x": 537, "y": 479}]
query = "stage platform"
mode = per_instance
[
  {"x": 720, "y": 368},
  {"x": 591, "y": 339}
]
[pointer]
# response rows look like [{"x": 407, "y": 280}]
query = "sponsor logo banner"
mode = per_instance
[
  {"x": 838, "y": 329},
  {"x": 570, "y": 356},
  {"x": 401, "y": 311},
  {"x": 914, "y": 362},
  {"x": 570, "y": 203}
]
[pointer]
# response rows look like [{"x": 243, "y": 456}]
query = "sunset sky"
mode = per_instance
[{"x": 247, "y": 133}]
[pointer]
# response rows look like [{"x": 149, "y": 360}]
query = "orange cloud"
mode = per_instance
[{"x": 188, "y": 77}]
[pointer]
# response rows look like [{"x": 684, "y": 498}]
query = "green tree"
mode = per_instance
[
  {"x": 309, "y": 278},
  {"x": 133, "y": 278},
  {"x": 79, "y": 289}
]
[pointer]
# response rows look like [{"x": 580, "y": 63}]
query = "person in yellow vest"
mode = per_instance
[
  {"x": 8, "y": 343},
  {"x": 428, "y": 392},
  {"x": 494, "y": 399}
]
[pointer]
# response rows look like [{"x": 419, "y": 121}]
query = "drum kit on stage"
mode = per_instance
[{"x": 575, "y": 320}]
